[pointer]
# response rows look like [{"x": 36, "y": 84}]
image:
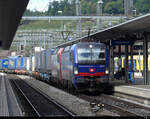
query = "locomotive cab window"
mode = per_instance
[{"x": 94, "y": 54}]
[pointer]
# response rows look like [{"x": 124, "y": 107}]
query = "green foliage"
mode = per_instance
[
  {"x": 33, "y": 13},
  {"x": 114, "y": 7},
  {"x": 143, "y": 6},
  {"x": 67, "y": 8},
  {"x": 89, "y": 7},
  {"x": 53, "y": 25}
]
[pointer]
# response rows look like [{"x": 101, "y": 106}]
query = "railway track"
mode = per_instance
[
  {"x": 39, "y": 102},
  {"x": 117, "y": 105},
  {"x": 114, "y": 104}
]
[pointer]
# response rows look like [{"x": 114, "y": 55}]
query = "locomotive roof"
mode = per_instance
[
  {"x": 102, "y": 44},
  {"x": 93, "y": 43},
  {"x": 89, "y": 43}
]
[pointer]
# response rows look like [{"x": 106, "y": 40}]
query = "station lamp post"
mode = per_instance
[
  {"x": 99, "y": 13},
  {"x": 78, "y": 13},
  {"x": 134, "y": 12},
  {"x": 62, "y": 27},
  {"x": 128, "y": 7}
]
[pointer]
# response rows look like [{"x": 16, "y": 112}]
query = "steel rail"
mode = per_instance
[
  {"x": 26, "y": 98},
  {"x": 67, "y": 112}
]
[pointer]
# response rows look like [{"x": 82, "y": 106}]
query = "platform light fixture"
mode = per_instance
[
  {"x": 100, "y": 2},
  {"x": 99, "y": 13},
  {"x": 60, "y": 12}
]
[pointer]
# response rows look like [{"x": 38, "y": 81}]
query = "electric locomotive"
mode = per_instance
[{"x": 82, "y": 66}]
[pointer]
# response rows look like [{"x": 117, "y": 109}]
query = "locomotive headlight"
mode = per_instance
[
  {"x": 75, "y": 71},
  {"x": 106, "y": 71}
]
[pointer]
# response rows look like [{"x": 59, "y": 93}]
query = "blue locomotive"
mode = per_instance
[{"x": 82, "y": 66}]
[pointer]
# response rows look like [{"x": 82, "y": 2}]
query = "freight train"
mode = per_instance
[{"x": 82, "y": 66}]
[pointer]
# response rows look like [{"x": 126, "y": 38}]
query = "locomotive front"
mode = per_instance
[{"x": 90, "y": 66}]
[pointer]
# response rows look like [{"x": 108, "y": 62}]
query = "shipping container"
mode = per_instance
[
  {"x": 27, "y": 65},
  {"x": 37, "y": 62},
  {"x": 5, "y": 63},
  {"x": 48, "y": 60},
  {"x": 12, "y": 61},
  {"x": 33, "y": 63},
  {"x": 20, "y": 61},
  {"x": 43, "y": 61},
  {"x": 0, "y": 64}
]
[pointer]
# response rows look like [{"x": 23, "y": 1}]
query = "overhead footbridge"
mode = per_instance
[
  {"x": 123, "y": 35},
  {"x": 11, "y": 12}
]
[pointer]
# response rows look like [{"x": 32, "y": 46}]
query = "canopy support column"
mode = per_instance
[
  {"x": 131, "y": 50},
  {"x": 145, "y": 59},
  {"x": 111, "y": 62},
  {"x": 126, "y": 64},
  {"x": 120, "y": 64}
]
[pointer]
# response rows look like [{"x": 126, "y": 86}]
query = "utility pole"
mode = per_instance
[
  {"x": 99, "y": 13},
  {"x": 131, "y": 7},
  {"x": 78, "y": 13},
  {"x": 128, "y": 7},
  {"x": 49, "y": 11}
]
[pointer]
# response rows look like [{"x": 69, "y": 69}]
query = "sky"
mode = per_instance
[{"x": 40, "y": 5}]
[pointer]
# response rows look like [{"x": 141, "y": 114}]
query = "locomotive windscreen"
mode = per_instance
[{"x": 91, "y": 54}]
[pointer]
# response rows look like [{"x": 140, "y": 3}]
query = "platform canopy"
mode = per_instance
[
  {"x": 11, "y": 12},
  {"x": 129, "y": 30}
]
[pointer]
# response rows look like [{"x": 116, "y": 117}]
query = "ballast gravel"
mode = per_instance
[{"x": 79, "y": 106}]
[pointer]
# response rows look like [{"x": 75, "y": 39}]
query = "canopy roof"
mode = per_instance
[{"x": 127, "y": 30}]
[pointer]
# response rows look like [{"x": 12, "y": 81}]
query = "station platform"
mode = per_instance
[
  {"x": 9, "y": 105},
  {"x": 137, "y": 92}
]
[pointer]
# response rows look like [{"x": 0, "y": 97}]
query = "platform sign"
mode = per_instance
[{"x": 121, "y": 42}]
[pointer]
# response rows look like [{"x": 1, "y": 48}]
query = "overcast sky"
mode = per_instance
[{"x": 40, "y": 5}]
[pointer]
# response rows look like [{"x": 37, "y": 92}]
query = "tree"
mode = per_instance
[
  {"x": 114, "y": 7},
  {"x": 89, "y": 7},
  {"x": 142, "y": 6},
  {"x": 33, "y": 13}
]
